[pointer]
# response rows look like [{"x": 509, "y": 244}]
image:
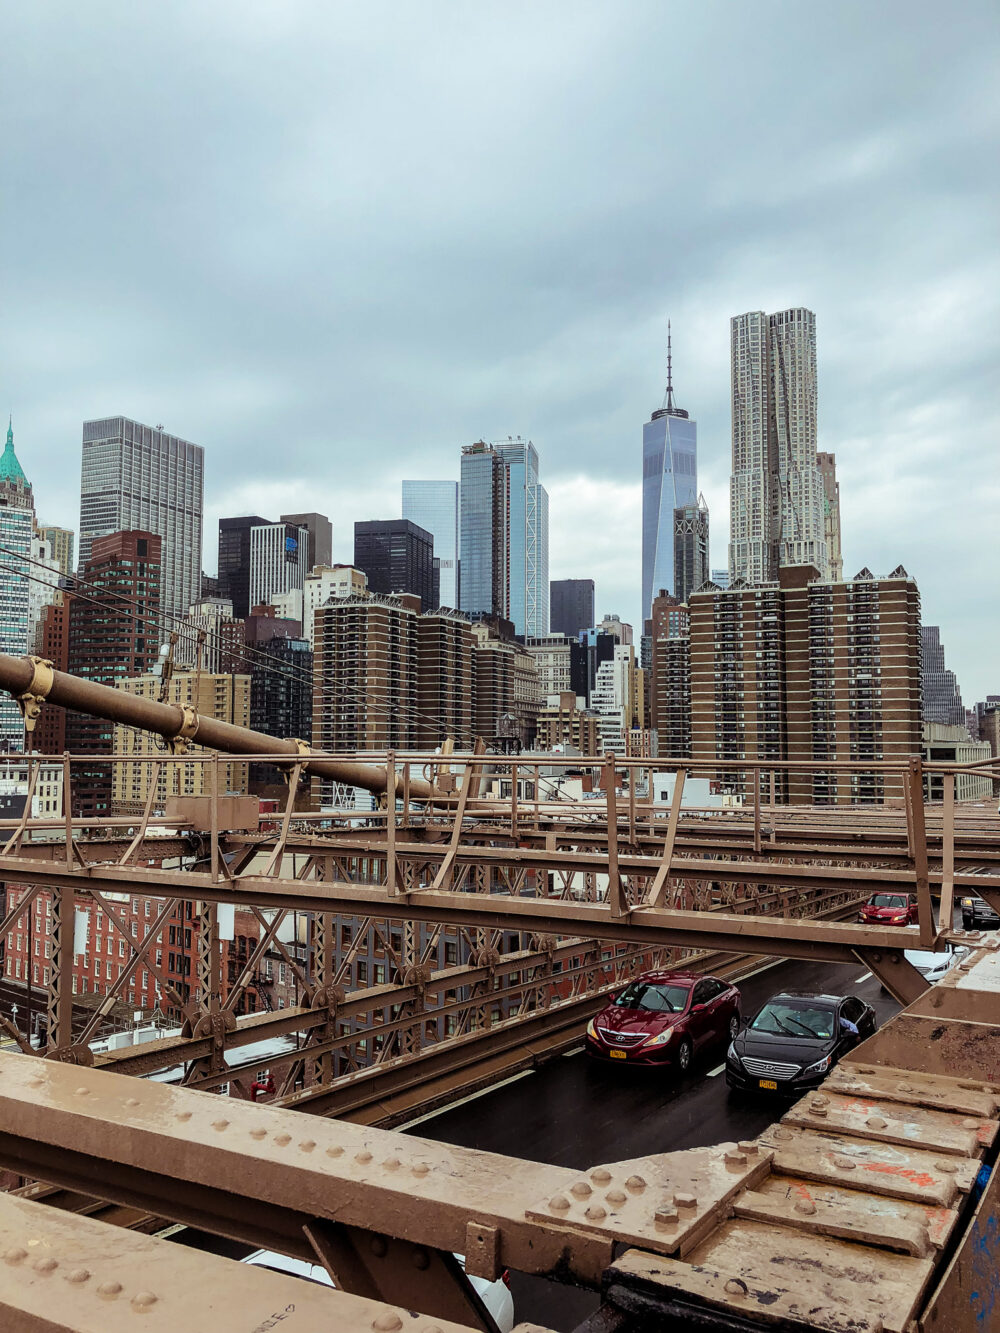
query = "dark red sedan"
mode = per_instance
[
  {"x": 889, "y": 909},
  {"x": 664, "y": 1018}
]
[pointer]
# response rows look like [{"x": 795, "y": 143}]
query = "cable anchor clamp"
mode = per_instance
[{"x": 30, "y": 702}]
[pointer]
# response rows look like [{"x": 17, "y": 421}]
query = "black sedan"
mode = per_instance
[{"x": 794, "y": 1040}]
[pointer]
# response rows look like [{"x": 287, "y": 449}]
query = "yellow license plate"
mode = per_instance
[
  {"x": 768, "y": 1083},
  {"x": 617, "y": 1055}
]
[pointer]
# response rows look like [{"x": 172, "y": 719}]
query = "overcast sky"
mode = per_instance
[{"x": 333, "y": 243}]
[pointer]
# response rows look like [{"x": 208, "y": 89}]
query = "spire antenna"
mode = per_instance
[{"x": 668, "y": 401}]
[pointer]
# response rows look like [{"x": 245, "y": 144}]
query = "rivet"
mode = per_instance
[
  {"x": 581, "y": 1189},
  {"x": 780, "y": 1133},
  {"x": 258, "y": 1133},
  {"x": 391, "y": 1164},
  {"x": 78, "y": 1275},
  {"x": 45, "y": 1265},
  {"x": 970, "y": 1124},
  {"x": 559, "y": 1204},
  {"x": 387, "y": 1323},
  {"x": 183, "y": 1115},
  {"x": 307, "y": 1145},
  {"x": 876, "y": 1122},
  {"x": 905, "y": 1087},
  {"x": 736, "y": 1159},
  {"x": 420, "y": 1168},
  {"x": 131, "y": 1101},
  {"x": 595, "y": 1212},
  {"x": 946, "y": 1168},
  {"x": 636, "y": 1184},
  {"x": 109, "y": 1288},
  {"x": 750, "y": 1148},
  {"x": 421, "y": 1259},
  {"x": 685, "y": 1201},
  {"x": 142, "y": 1300},
  {"x": 379, "y": 1246},
  {"x": 82, "y": 1092},
  {"x": 737, "y": 1287},
  {"x": 805, "y": 1206},
  {"x": 820, "y": 1100},
  {"x": 615, "y": 1196},
  {"x": 35, "y": 1081},
  {"x": 282, "y": 1139},
  {"x": 936, "y": 1000},
  {"x": 363, "y": 1157},
  {"x": 818, "y": 1111},
  {"x": 220, "y": 1125},
  {"x": 431, "y": 1328},
  {"x": 665, "y": 1217},
  {"x": 845, "y": 1163},
  {"x": 600, "y": 1176},
  {"x": 15, "y": 1256}
]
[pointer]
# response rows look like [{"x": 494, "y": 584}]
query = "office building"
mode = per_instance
[
  {"x": 112, "y": 638},
  {"x": 279, "y": 560},
  {"x": 827, "y": 464},
  {"x": 15, "y": 488},
  {"x": 396, "y": 556},
  {"x": 433, "y": 506},
  {"x": 669, "y": 482},
  {"x": 60, "y": 543},
  {"x": 141, "y": 478},
  {"x": 942, "y": 697},
  {"x": 952, "y": 745},
  {"x": 571, "y": 606},
  {"x": 804, "y": 669},
  {"x": 16, "y": 587},
  {"x": 618, "y": 699},
  {"x": 320, "y": 531},
  {"x": 281, "y": 701},
  {"x": 211, "y": 638},
  {"x": 690, "y": 548},
  {"x": 720, "y": 577},
  {"x": 505, "y": 535},
  {"x": 776, "y": 491},
  {"x": 52, "y": 641},
  {"x": 223, "y": 697},
  {"x": 43, "y": 585},
  {"x": 234, "y": 561},
  {"x": 553, "y": 654}
]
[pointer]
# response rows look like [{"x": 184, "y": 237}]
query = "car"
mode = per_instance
[
  {"x": 978, "y": 915},
  {"x": 664, "y": 1018},
  {"x": 889, "y": 909},
  {"x": 494, "y": 1295},
  {"x": 793, "y": 1040},
  {"x": 933, "y": 966}
]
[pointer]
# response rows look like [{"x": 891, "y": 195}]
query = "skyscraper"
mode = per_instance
[
  {"x": 433, "y": 505},
  {"x": 669, "y": 482},
  {"x": 140, "y": 477},
  {"x": 505, "y": 535},
  {"x": 60, "y": 542},
  {"x": 16, "y": 523},
  {"x": 776, "y": 491},
  {"x": 690, "y": 548},
  {"x": 234, "y": 561},
  {"x": 320, "y": 535},
  {"x": 279, "y": 560},
  {"x": 571, "y": 606},
  {"x": 397, "y": 556},
  {"x": 827, "y": 464},
  {"x": 942, "y": 697}
]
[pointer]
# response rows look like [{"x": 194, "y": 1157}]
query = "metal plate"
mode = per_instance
[
  {"x": 914, "y": 1088},
  {"x": 893, "y": 1122}
]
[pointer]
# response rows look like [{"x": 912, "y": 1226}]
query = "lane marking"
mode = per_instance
[
  {"x": 575, "y": 1051},
  {"x": 864, "y": 977},
  {"x": 775, "y": 962},
  {"x": 472, "y": 1097},
  {"x": 713, "y": 1073}
]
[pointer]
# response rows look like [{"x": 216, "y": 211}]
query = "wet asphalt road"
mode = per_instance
[{"x": 576, "y": 1112}]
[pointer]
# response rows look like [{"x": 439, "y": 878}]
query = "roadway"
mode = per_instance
[{"x": 573, "y": 1111}]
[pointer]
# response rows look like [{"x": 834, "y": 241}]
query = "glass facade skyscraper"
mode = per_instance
[
  {"x": 433, "y": 505},
  {"x": 669, "y": 482},
  {"x": 481, "y": 531}
]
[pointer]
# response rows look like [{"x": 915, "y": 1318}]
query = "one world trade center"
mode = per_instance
[{"x": 669, "y": 482}]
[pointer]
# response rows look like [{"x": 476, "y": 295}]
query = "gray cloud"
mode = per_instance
[{"x": 332, "y": 243}]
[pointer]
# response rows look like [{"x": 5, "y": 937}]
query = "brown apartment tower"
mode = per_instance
[{"x": 812, "y": 670}]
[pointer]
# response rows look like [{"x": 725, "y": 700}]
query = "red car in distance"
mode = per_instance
[
  {"x": 889, "y": 909},
  {"x": 664, "y": 1018}
]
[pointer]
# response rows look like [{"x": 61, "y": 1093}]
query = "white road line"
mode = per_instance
[
  {"x": 575, "y": 1051},
  {"x": 713, "y": 1073},
  {"x": 864, "y": 977},
  {"x": 473, "y": 1096}
]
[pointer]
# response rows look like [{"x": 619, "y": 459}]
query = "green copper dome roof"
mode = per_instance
[{"x": 10, "y": 468}]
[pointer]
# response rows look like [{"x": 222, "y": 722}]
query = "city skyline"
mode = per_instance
[{"x": 224, "y": 324}]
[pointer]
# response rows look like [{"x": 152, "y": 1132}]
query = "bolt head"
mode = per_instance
[
  {"x": 282, "y": 1139},
  {"x": 363, "y": 1158},
  {"x": 559, "y": 1203},
  {"x": 420, "y": 1168},
  {"x": 45, "y": 1265},
  {"x": 946, "y": 1168},
  {"x": 636, "y": 1184},
  {"x": 615, "y": 1197},
  {"x": 142, "y": 1300},
  {"x": 736, "y": 1287},
  {"x": 876, "y": 1122},
  {"x": 601, "y": 1176},
  {"x": 581, "y": 1189},
  {"x": 596, "y": 1213},
  {"x": 805, "y": 1206},
  {"x": 665, "y": 1217},
  {"x": 220, "y": 1125},
  {"x": 109, "y": 1289},
  {"x": 15, "y": 1255},
  {"x": 307, "y": 1145},
  {"x": 387, "y": 1323},
  {"x": 685, "y": 1201}
]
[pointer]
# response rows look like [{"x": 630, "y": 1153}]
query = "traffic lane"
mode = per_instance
[{"x": 574, "y": 1111}]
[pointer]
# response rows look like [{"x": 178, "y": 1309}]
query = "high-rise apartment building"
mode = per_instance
[
  {"x": 396, "y": 556},
  {"x": 553, "y": 654},
  {"x": 324, "y": 582},
  {"x": 141, "y": 478},
  {"x": 827, "y": 464},
  {"x": 43, "y": 585},
  {"x": 690, "y": 548},
  {"x": 223, "y": 697},
  {"x": 53, "y": 644},
  {"x": 670, "y": 704},
  {"x": 279, "y": 560},
  {"x": 505, "y": 535},
  {"x": 804, "y": 669},
  {"x": 234, "y": 561},
  {"x": 942, "y": 696},
  {"x": 60, "y": 542},
  {"x": 211, "y": 638},
  {"x": 433, "y": 506},
  {"x": 571, "y": 606},
  {"x": 776, "y": 491},
  {"x": 444, "y": 686},
  {"x": 281, "y": 700},
  {"x": 112, "y": 637},
  {"x": 320, "y": 531},
  {"x": 669, "y": 482}
]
